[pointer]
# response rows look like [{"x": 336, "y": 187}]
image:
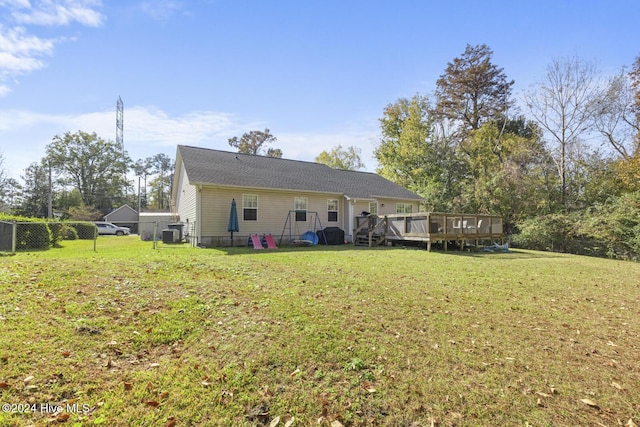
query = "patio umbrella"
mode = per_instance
[{"x": 233, "y": 220}]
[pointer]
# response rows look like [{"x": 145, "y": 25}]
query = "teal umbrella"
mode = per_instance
[{"x": 233, "y": 220}]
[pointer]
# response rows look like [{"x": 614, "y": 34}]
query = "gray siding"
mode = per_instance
[{"x": 122, "y": 214}]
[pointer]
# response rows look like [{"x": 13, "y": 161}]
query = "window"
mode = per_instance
[
  {"x": 373, "y": 208},
  {"x": 404, "y": 208},
  {"x": 249, "y": 207},
  {"x": 300, "y": 206},
  {"x": 332, "y": 210}
]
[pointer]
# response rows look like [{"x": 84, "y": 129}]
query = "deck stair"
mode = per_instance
[
  {"x": 370, "y": 232},
  {"x": 363, "y": 240}
]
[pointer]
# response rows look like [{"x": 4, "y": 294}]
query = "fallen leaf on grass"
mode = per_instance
[
  {"x": 590, "y": 402},
  {"x": 290, "y": 422},
  {"x": 62, "y": 417},
  {"x": 66, "y": 353},
  {"x": 4, "y": 385},
  {"x": 128, "y": 386},
  {"x": 274, "y": 422},
  {"x": 539, "y": 393},
  {"x": 153, "y": 403},
  {"x": 630, "y": 423},
  {"x": 616, "y": 385},
  {"x": 28, "y": 379},
  {"x": 171, "y": 422},
  {"x": 368, "y": 386},
  {"x": 336, "y": 423}
]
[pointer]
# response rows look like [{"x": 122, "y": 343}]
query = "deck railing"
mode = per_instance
[{"x": 433, "y": 226}]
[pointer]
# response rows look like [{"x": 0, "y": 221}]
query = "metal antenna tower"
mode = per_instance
[
  {"x": 119, "y": 124},
  {"x": 119, "y": 138}
]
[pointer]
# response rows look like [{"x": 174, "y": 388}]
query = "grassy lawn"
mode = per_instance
[{"x": 130, "y": 336}]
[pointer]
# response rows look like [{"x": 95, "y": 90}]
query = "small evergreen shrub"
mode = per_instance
[
  {"x": 32, "y": 235},
  {"x": 85, "y": 230},
  {"x": 55, "y": 228},
  {"x": 69, "y": 233}
]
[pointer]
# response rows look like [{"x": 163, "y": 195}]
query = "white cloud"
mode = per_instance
[
  {"x": 20, "y": 50},
  {"x": 15, "y": 3},
  {"x": 307, "y": 146},
  {"x": 60, "y": 12},
  {"x": 161, "y": 10},
  {"x": 149, "y": 131}
]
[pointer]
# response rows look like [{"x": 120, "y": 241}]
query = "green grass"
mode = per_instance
[{"x": 389, "y": 336}]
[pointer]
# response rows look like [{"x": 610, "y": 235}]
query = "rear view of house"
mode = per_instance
[{"x": 271, "y": 193}]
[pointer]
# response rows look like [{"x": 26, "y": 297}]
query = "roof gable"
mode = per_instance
[
  {"x": 215, "y": 167},
  {"x": 123, "y": 212}
]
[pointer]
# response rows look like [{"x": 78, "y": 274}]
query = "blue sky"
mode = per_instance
[{"x": 317, "y": 73}]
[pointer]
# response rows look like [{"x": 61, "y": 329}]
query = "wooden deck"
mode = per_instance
[{"x": 428, "y": 227}]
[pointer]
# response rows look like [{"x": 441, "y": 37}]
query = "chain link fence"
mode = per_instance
[
  {"x": 43, "y": 235},
  {"x": 172, "y": 235}
]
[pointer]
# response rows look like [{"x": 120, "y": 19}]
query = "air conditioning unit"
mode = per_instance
[{"x": 170, "y": 236}]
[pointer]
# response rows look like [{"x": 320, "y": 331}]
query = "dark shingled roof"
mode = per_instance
[{"x": 215, "y": 167}]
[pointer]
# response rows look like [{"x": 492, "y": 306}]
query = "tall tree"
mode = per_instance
[
  {"x": 8, "y": 187},
  {"x": 255, "y": 142},
  {"x": 162, "y": 166},
  {"x": 142, "y": 169},
  {"x": 635, "y": 85},
  {"x": 339, "y": 158},
  {"x": 472, "y": 89},
  {"x": 90, "y": 164},
  {"x": 614, "y": 116},
  {"x": 412, "y": 153},
  {"x": 35, "y": 191},
  {"x": 562, "y": 105},
  {"x": 506, "y": 162},
  {"x": 629, "y": 168}
]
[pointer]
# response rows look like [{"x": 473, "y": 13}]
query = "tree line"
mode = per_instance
[
  {"x": 83, "y": 176},
  {"x": 561, "y": 164}
]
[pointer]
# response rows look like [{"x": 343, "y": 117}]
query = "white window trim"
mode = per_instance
[
  {"x": 336, "y": 210},
  {"x": 248, "y": 207},
  {"x": 404, "y": 208},
  {"x": 371, "y": 210},
  {"x": 306, "y": 204}
]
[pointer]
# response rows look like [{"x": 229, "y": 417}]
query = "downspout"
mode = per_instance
[
  {"x": 350, "y": 218},
  {"x": 198, "y": 225}
]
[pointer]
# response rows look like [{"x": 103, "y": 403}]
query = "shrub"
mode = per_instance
[
  {"x": 55, "y": 229},
  {"x": 610, "y": 229},
  {"x": 69, "y": 233},
  {"x": 617, "y": 225},
  {"x": 85, "y": 230},
  {"x": 545, "y": 233},
  {"x": 33, "y": 235}
]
